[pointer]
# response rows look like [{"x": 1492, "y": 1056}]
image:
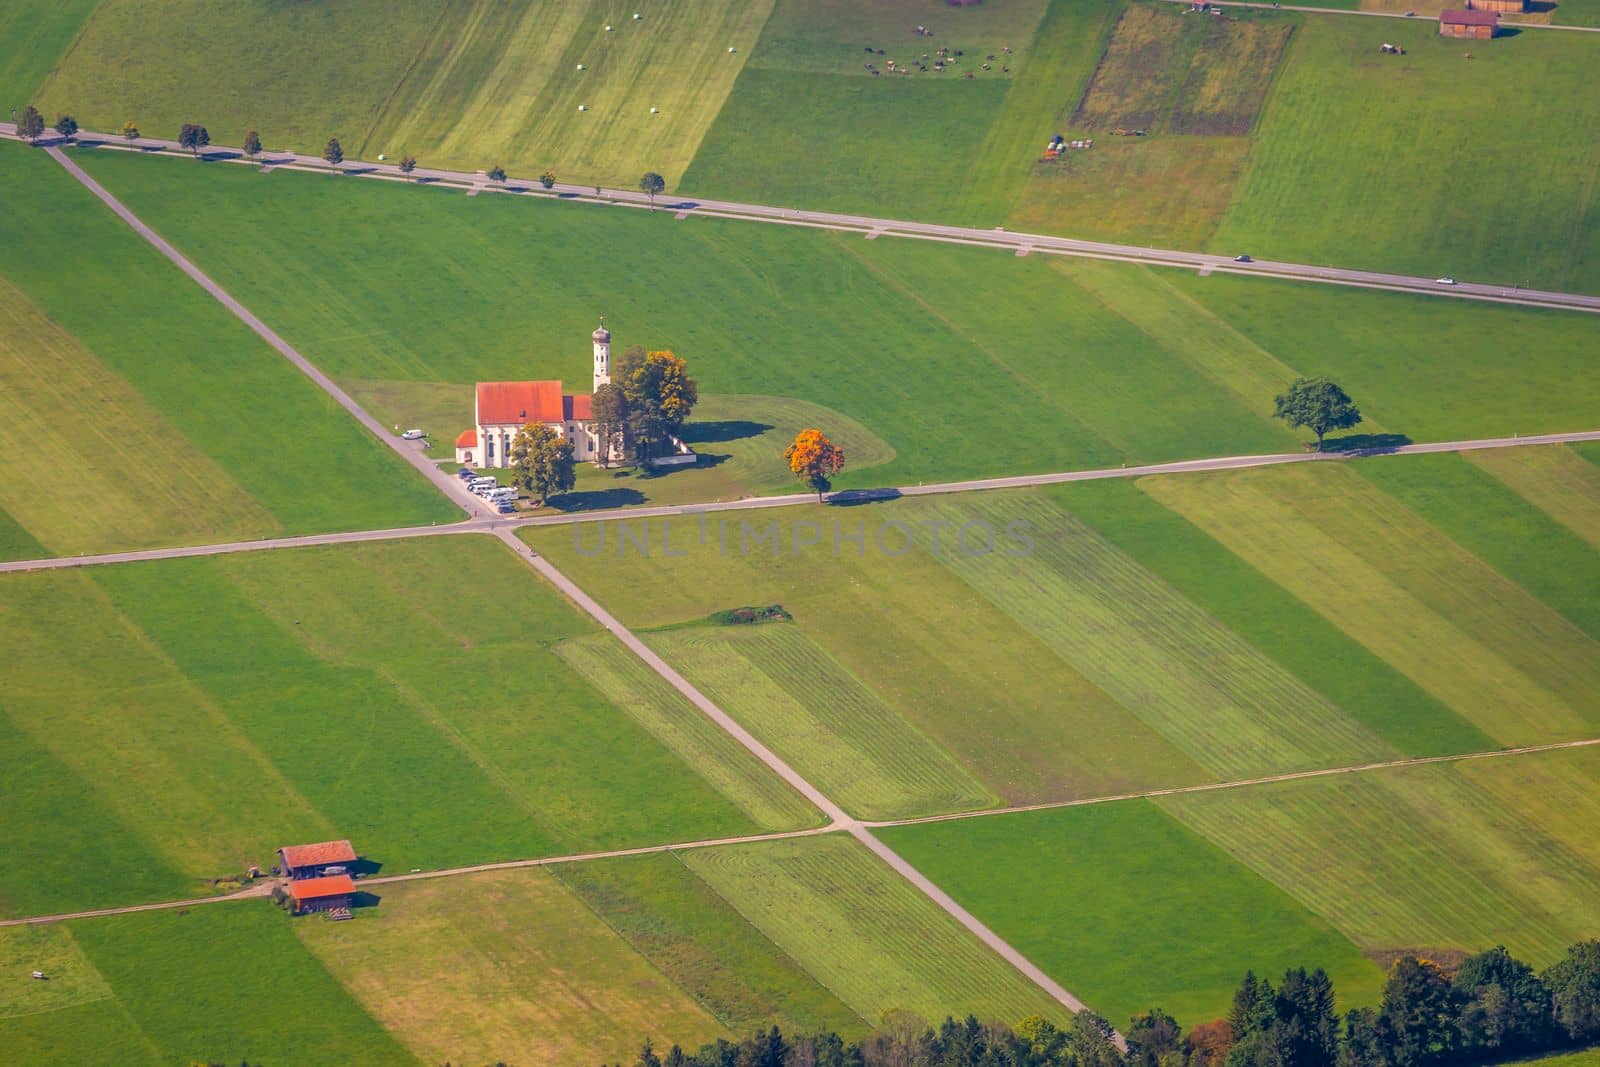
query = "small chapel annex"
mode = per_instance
[{"x": 503, "y": 408}]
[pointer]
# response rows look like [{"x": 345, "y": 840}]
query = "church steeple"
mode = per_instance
[{"x": 602, "y": 354}]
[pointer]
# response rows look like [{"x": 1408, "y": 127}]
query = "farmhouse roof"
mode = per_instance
[
  {"x": 1470, "y": 18},
  {"x": 323, "y": 852},
  {"x": 335, "y": 885},
  {"x": 516, "y": 403},
  {"x": 468, "y": 439},
  {"x": 578, "y": 406}
]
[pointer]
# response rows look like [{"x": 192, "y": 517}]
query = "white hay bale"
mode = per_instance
[
  {"x": 655, "y": 111},
  {"x": 583, "y": 107},
  {"x": 733, "y": 50},
  {"x": 581, "y": 66}
]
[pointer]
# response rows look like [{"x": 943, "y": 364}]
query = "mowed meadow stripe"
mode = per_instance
[{"x": 1485, "y": 646}]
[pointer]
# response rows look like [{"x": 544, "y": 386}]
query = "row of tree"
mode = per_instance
[{"x": 1491, "y": 1008}]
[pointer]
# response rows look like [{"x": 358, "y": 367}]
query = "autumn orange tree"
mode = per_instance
[{"x": 815, "y": 460}]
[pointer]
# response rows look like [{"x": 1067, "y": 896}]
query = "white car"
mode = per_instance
[
  {"x": 1446, "y": 280},
  {"x": 413, "y": 435}
]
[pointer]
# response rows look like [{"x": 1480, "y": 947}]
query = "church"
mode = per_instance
[{"x": 503, "y": 408}]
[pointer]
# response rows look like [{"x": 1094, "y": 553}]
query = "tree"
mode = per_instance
[
  {"x": 548, "y": 179},
  {"x": 408, "y": 164},
  {"x": 660, "y": 396},
  {"x": 1209, "y": 1043},
  {"x": 1319, "y": 405},
  {"x": 815, "y": 460},
  {"x": 1506, "y": 1006},
  {"x": 252, "y": 143},
  {"x": 652, "y": 183},
  {"x": 1419, "y": 1013},
  {"x": 609, "y": 410},
  {"x": 647, "y": 1056},
  {"x": 1153, "y": 1037},
  {"x": 1365, "y": 1041},
  {"x": 497, "y": 173},
  {"x": 30, "y": 124},
  {"x": 130, "y": 132},
  {"x": 333, "y": 152},
  {"x": 542, "y": 460},
  {"x": 66, "y": 126},
  {"x": 1253, "y": 1008},
  {"x": 1306, "y": 1027},
  {"x": 193, "y": 137},
  {"x": 1090, "y": 1042},
  {"x": 1574, "y": 984}
]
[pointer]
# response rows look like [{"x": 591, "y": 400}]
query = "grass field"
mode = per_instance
[
  {"x": 1090, "y": 364},
  {"x": 39, "y": 32},
  {"x": 214, "y": 984},
  {"x": 92, "y": 315},
  {"x": 1129, "y": 909},
  {"x": 355, "y": 692},
  {"x": 867, "y": 935},
  {"x": 464, "y": 86},
  {"x": 1453, "y": 856}
]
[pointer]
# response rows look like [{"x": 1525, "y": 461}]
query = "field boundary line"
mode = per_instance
[
  {"x": 867, "y": 225},
  {"x": 1424, "y": 19},
  {"x": 786, "y": 500},
  {"x": 1238, "y": 783}
]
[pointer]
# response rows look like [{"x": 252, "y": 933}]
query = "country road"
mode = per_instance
[
  {"x": 1306, "y": 9},
  {"x": 873, "y": 227},
  {"x": 756, "y": 503}
]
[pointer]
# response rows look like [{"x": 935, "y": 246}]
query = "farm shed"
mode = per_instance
[
  {"x": 312, "y": 861},
  {"x": 322, "y": 894},
  {"x": 1476, "y": 24},
  {"x": 1502, "y": 6}
]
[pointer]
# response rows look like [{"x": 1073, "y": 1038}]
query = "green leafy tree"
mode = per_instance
[
  {"x": 660, "y": 396},
  {"x": 548, "y": 179},
  {"x": 333, "y": 152},
  {"x": 1419, "y": 1013},
  {"x": 652, "y": 183},
  {"x": 1506, "y": 1006},
  {"x": 1306, "y": 1023},
  {"x": 497, "y": 173},
  {"x": 1319, "y": 405},
  {"x": 1091, "y": 1042},
  {"x": 252, "y": 143},
  {"x": 1253, "y": 1008},
  {"x": 1153, "y": 1039},
  {"x": 408, "y": 164},
  {"x": 66, "y": 126},
  {"x": 1366, "y": 1040},
  {"x": 130, "y": 132},
  {"x": 609, "y": 411},
  {"x": 30, "y": 124},
  {"x": 542, "y": 461},
  {"x": 1574, "y": 984},
  {"x": 194, "y": 137}
]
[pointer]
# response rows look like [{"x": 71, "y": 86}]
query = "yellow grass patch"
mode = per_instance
[
  {"x": 51, "y": 949},
  {"x": 92, "y": 465},
  {"x": 1555, "y": 479},
  {"x": 505, "y": 965}
]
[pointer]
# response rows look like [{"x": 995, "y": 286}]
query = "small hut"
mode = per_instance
[
  {"x": 1504, "y": 7},
  {"x": 1480, "y": 25}
]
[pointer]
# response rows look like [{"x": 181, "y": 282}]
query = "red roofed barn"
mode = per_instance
[
  {"x": 1476, "y": 24},
  {"x": 332, "y": 893},
  {"x": 315, "y": 861},
  {"x": 503, "y": 408}
]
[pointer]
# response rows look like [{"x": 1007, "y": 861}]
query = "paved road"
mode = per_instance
[
  {"x": 1022, "y": 243},
  {"x": 490, "y": 525},
  {"x": 1384, "y": 15}
]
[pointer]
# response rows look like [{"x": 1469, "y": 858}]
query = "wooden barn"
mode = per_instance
[
  {"x": 1504, "y": 7},
  {"x": 335, "y": 892},
  {"x": 1475, "y": 24},
  {"x": 314, "y": 861}
]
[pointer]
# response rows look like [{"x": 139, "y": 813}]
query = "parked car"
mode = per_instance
[
  {"x": 413, "y": 435},
  {"x": 1243, "y": 259},
  {"x": 1446, "y": 280}
]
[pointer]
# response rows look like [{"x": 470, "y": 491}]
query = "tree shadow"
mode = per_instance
[
  {"x": 849, "y": 498},
  {"x": 1366, "y": 444},
  {"x": 569, "y": 196},
  {"x": 221, "y": 154},
  {"x": 358, "y": 170},
  {"x": 595, "y": 499},
  {"x": 726, "y": 430}
]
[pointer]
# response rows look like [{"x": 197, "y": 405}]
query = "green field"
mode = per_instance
[
  {"x": 459, "y": 85},
  {"x": 983, "y": 363},
  {"x": 212, "y": 984},
  {"x": 1129, "y": 909},
  {"x": 866, "y": 934},
  {"x": 92, "y": 316},
  {"x": 362, "y": 692}
]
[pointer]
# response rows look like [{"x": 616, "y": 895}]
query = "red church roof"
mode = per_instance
[
  {"x": 468, "y": 439},
  {"x": 335, "y": 885},
  {"x": 319, "y": 854},
  {"x": 578, "y": 406},
  {"x": 501, "y": 403}
]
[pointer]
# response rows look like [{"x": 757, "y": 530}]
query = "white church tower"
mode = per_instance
[{"x": 602, "y": 355}]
